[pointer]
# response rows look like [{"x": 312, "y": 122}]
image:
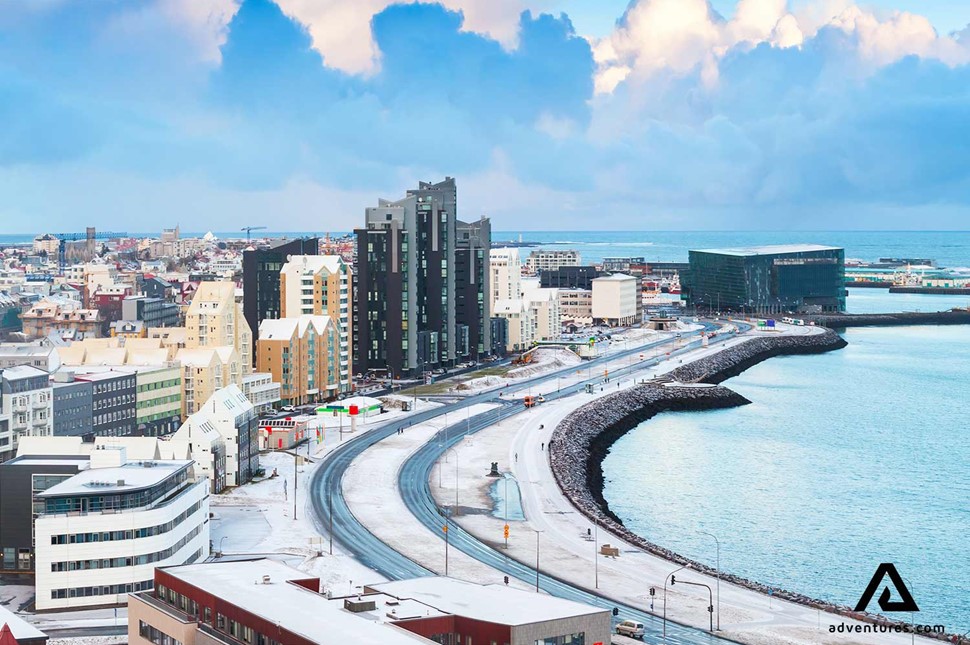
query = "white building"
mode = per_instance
[
  {"x": 615, "y": 300},
  {"x": 101, "y": 533},
  {"x": 521, "y": 323},
  {"x": 545, "y": 260},
  {"x": 546, "y": 309},
  {"x": 26, "y": 406},
  {"x": 231, "y": 414},
  {"x": 506, "y": 273},
  {"x": 261, "y": 390}
]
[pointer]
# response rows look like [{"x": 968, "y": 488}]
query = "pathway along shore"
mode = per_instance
[{"x": 581, "y": 441}]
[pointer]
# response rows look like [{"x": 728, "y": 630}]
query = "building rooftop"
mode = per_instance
[
  {"x": 49, "y": 460},
  {"x": 284, "y": 328},
  {"x": 298, "y": 609},
  {"x": 20, "y": 628},
  {"x": 490, "y": 603},
  {"x": 775, "y": 249},
  {"x": 22, "y": 371},
  {"x": 134, "y": 475},
  {"x": 614, "y": 277}
]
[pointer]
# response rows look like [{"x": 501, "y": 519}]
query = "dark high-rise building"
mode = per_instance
[
  {"x": 568, "y": 277},
  {"x": 261, "y": 279},
  {"x": 473, "y": 241},
  {"x": 417, "y": 306},
  {"x": 767, "y": 279}
]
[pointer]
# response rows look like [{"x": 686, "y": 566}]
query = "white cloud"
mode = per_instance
[
  {"x": 341, "y": 33},
  {"x": 681, "y": 36},
  {"x": 205, "y": 22}
]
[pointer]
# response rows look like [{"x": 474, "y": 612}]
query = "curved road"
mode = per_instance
[{"x": 414, "y": 480}]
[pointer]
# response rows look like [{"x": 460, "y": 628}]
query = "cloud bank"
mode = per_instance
[{"x": 302, "y": 112}]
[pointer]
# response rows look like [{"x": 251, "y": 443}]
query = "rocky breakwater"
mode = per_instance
[
  {"x": 582, "y": 439},
  {"x": 734, "y": 360}
]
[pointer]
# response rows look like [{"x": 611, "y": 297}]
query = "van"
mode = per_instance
[{"x": 630, "y": 628}]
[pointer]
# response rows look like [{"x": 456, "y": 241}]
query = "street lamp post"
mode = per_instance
[
  {"x": 537, "y": 560},
  {"x": 596, "y": 554},
  {"x": 686, "y": 566},
  {"x": 718, "y": 561},
  {"x": 455, "y": 450}
]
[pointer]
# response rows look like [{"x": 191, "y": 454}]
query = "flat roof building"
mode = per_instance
[
  {"x": 807, "y": 278},
  {"x": 265, "y": 602},
  {"x": 100, "y": 534}
]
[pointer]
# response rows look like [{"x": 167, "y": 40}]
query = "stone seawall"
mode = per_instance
[
  {"x": 581, "y": 441},
  {"x": 841, "y": 321}
]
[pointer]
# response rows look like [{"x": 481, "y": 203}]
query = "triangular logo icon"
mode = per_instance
[{"x": 906, "y": 604}]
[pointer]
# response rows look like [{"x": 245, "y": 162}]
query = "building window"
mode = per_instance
[{"x": 152, "y": 634}]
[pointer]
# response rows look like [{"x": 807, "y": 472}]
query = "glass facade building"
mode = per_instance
[{"x": 767, "y": 280}]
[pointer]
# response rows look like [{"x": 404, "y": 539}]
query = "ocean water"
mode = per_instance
[
  {"x": 948, "y": 248},
  {"x": 842, "y": 461}
]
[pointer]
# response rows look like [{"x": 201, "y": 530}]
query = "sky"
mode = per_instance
[{"x": 551, "y": 114}]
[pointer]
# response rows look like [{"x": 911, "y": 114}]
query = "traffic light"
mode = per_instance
[
  {"x": 445, "y": 528},
  {"x": 506, "y": 580},
  {"x": 653, "y": 592},
  {"x": 616, "y": 611},
  {"x": 506, "y": 531},
  {"x": 673, "y": 579}
]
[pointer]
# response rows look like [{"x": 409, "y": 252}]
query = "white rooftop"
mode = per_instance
[
  {"x": 20, "y": 628},
  {"x": 296, "y": 608},
  {"x": 774, "y": 249},
  {"x": 491, "y": 603},
  {"x": 614, "y": 277},
  {"x": 135, "y": 475}
]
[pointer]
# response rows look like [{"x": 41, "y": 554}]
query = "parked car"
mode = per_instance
[
  {"x": 287, "y": 408},
  {"x": 630, "y": 628}
]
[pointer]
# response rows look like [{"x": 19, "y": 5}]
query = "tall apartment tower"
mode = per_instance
[
  {"x": 473, "y": 307},
  {"x": 321, "y": 285},
  {"x": 409, "y": 318},
  {"x": 261, "y": 278}
]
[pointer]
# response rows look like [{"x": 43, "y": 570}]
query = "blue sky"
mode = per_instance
[{"x": 570, "y": 114}]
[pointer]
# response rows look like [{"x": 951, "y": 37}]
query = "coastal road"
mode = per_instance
[{"x": 415, "y": 475}]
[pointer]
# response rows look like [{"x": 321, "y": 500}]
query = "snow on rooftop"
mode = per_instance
[
  {"x": 135, "y": 475},
  {"x": 490, "y": 603},
  {"x": 297, "y": 609},
  {"x": 20, "y": 628},
  {"x": 773, "y": 249}
]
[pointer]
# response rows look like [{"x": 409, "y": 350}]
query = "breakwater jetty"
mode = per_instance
[
  {"x": 842, "y": 321},
  {"x": 581, "y": 441}
]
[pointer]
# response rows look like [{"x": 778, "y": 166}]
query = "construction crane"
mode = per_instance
[
  {"x": 90, "y": 235},
  {"x": 250, "y": 229}
]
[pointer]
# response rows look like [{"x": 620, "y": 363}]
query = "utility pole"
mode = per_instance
[
  {"x": 330, "y": 504},
  {"x": 295, "y": 458}
]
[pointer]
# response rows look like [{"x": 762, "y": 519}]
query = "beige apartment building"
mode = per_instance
[
  {"x": 321, "y": 285},
  {"x": 302, "y": 355},
  {"x": 215, "y": 319},
  {"x": 615, "y": 300}
]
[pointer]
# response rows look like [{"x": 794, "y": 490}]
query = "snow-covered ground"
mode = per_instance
[
  {"x": 569, "y": 552},
  {"x": 253, "y": 519}
]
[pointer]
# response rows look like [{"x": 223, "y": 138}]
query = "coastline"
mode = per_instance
[{"x": 584, "y": 437}]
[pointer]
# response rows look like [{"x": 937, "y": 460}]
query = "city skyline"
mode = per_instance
[{"x": 663, "y": 116}]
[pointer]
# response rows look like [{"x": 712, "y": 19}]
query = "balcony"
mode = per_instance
[{"x": 40, "y": 403}]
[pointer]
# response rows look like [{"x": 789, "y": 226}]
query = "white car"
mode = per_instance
[{"x": 630, "y": 628}]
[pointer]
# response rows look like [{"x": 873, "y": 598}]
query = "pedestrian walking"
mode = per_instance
[
  {"x": 542, "y": 446},
  {"x": 516, "y": 457}
]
